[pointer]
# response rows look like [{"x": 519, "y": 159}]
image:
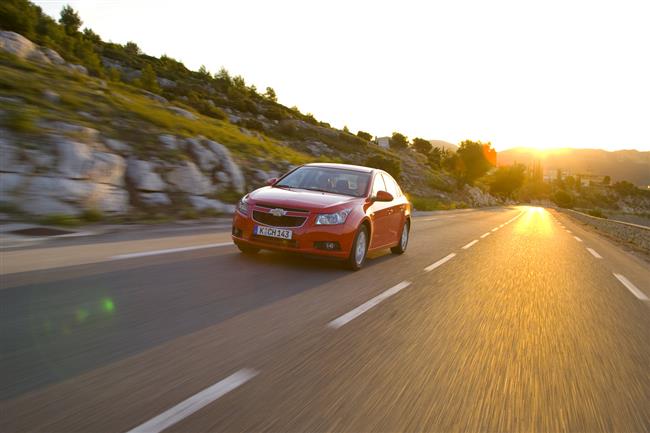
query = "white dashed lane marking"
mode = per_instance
[
  {"x": 347, "y": 317},
  {"x": 169, "y": 251},
  {"x": 469, "y": 245},
  {"x": 578, "y": 239},
  {"x": 631, "y": 287},
  {"x": 484, "y": 235},
  {"x": 197, "y": 401},
  {"x": 594, "y": 253},
  {"x": 439, "y": 262}
]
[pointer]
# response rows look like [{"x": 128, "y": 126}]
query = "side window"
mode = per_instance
[
  {"x": 378, "y": 185},
  {"x": 391, "y": 186}
]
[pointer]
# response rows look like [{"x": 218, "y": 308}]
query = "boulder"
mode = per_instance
[
  {"x": 223, "y": 177},
  {"x": 39, "y": 205},
  {"x": 78, "y": 68},
  {"x": 75, "y": 158},
  {"x": 169, "y": 141},
  {"x": 65, "y": 190},
  {"x": 107, "y": 168},
  {"x": 19, "y": 45},
  {"x": 155, "y": 199},
  {"x": 89, "y": 134},
  {"x": 10, "y": 158},
  {"x": 206, "y": 159},
  {"x": 155, "y": 97},
  {"x": 51, "y": 96},
  {"x": 203, "y": 203},
  {"x": 54, "y": 57},
  {"x": 165, "y": 83},
  {"x": 108, "y": 198},
  {"x": 9, "y": 183},
  {"x": 228, "y": 165},
  {"x": 117, "y": 145},
  {"x": 182, "y": 112},
  {"x": 143, "y": 177},
  {"x": 187, "y": 178},
  {"x": 40, "y": 159}
]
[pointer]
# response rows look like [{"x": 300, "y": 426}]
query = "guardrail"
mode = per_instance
[{"x": 635, "y": 234}]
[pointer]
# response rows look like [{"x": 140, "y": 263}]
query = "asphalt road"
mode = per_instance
[{"x": 539, "y": 325}]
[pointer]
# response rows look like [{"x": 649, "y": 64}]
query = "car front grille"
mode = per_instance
[{"x": 278, "y": 221}]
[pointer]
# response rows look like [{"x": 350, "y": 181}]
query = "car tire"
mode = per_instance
[
  {"x": 359, "y": 249},
  {"x": 248, "y": 250},
  {"x": 400, "y": 248}
]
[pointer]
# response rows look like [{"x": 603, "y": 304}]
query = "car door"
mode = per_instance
[
  {"x": 395, "y": 208},
  {"x": 379, "y": 213}
]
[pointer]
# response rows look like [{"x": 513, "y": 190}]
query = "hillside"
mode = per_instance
[
  {"x": 114, "y": 131},
  {"x": 630, "y": 165},
  {"x": 444, "y": 145}
]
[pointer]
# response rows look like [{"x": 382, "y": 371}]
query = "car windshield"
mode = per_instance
[{"x": 325, "y": 179}]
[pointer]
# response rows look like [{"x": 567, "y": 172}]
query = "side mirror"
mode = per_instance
[
  {"x": 384, "y": 196},
  {"x": 272, "y": 181}
]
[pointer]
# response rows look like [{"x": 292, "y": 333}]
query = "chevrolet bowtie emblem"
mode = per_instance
[{"x": 278, "y": 212}]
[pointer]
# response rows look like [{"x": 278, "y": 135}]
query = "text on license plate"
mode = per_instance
[{"x": 273, "y": 232}]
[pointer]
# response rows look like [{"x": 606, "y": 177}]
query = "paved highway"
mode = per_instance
[{"x": 505, "y": 319}]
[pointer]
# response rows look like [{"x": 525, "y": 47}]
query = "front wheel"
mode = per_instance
[
  {"x": 400, "y": 248},
  {"x": 359, "y": 249}
]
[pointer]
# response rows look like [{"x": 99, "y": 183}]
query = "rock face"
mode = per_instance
[
  {"x": 155, "y": 199},
  {"x": 188, "y": 179},
  {"x": 74, "y": 158},
  {"x": 228, "y": 165},
  {"x": 25, "y": 49},
  {"x": 202, "y": 203},
  {"x": 479, "y": 198},
  {"x": 143, "y": 177}
]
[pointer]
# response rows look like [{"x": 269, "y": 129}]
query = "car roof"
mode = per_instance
[{"x": 341, "y": 166}]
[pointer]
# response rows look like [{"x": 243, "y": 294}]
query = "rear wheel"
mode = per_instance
[
  {"x": 359, "y": 249},
  {"x": 248, "y": 250},
  {"x": 400, "y": 248}
]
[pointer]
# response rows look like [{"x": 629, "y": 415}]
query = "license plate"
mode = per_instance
[{"x": 273, "y": 232}]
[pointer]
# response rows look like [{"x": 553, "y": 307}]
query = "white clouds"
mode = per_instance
[{"x": 513, "y": 72}]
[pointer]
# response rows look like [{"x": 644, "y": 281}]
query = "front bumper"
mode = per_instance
[{"x": 305, "y": 239}]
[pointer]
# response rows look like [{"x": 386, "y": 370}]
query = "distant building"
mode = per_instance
[
  {"x": 587, "y": 179},
  {"x": 551, "y": 174},
  {"x": 383, "y": 142}
]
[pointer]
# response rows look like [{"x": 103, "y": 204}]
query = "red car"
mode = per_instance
[{"x": 335, "y": 210}]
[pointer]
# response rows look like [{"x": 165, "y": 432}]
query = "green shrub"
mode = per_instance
[
  {"x": 61, "y": 220},
  {"x": 21, "y": 120},
  {"x": 92, "y": 215},
  {"x": 389, "y": 164},
  {"x": 596, "y": 213}
]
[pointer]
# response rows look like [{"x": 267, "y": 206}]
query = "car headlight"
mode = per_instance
[
  {"x": 333, "y": 218},
  {"x": 242, "y": 206}
]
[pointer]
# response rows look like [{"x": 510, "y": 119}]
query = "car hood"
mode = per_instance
[{"x": 299, "y": 198}]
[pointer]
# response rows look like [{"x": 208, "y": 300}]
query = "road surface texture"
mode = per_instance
[{"x": 505, "y": 319}]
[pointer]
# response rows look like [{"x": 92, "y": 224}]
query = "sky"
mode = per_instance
[{"x": 567, "y": 73}]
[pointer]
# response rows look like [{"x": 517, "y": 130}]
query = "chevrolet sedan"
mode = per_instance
[{"x": 335, "y": 210}]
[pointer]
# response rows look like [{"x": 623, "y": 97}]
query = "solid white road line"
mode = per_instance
[
  {"x": 631, "y": 287},
  {"x": 594, "y": 253},
  {"x": 342, "y": 320},
  {"x": 484, "y": 235},
  {"x": 442, "y": 261},
  {"x": 469, "y": 245},
  {"x": 194, "y": 403},
  {"x": 578, "y": 239},
  {"x": 168, "y": 251}
]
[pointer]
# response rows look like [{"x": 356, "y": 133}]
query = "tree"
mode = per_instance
[
  {"x": 132, "y": 49},
  {"x": 149, "y": 80},
  {"x": 70, "y": 20},
  {"x": 366, "y": 136},
  {"x": 607, "y": 180},
  {"x": 346, "y": 129},
  {"x": 474, "y": 161},
  {"x": 421, "y": 145},
  {"x": 204, "y": 72},
  {"x": 507, "y": 180},
  {"x": 563, "y": 199},
  {"x": 270, "y": 94},
  {"x": 435, "y": 157},
  {"x": 399, "y": 141}
]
